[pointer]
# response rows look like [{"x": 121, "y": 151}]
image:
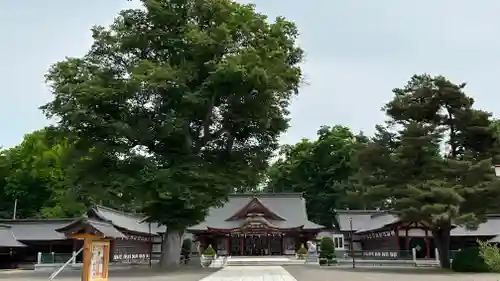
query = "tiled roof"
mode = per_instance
[
  {"x": 289, "y": 206},
  {"x": 104, "y": 228},
  {"x": 37, "y": 229},
  {"x": 489, "y": 228},
  {"x": 369, "y": 220},
  {"x": 360, "y": 219},
  {"x": 7, "y": 238},
  {"x": 127, "y": 221}
]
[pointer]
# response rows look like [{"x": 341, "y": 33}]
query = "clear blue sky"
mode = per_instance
[{"x": 357, "y": 51}]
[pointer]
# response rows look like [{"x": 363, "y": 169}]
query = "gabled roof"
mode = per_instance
[
  {"x": 360, "y": 219},
  {"x": 7, "y": 238},
  {"x": 291, "y": 207},
  {"x": 103, "y": 228},
  {"x": 126, "y": 221},
  {"x": 253, "y": 205},
  {"x": 37, "y": 229}
]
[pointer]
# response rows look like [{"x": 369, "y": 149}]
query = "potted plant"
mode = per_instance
[
  {"x": 208, "y": 256},
  {"x": 302, "y": 252},
  {"x": 327, "y": 252}
]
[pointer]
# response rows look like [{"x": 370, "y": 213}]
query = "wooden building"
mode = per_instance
[
  {"x": 383, "y": 233},
  {"x": 257, "y": 224},
  {"x": 46, "y": 241}
]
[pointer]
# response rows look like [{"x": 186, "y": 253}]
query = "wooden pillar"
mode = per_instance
[
  {"x": 228, "y": 245},
  {"x": 268, "y": 235},
  {"x": 427, "y": 248},
  {"x": 242, "y": 242},
  {"x": 283, "y": 244}
]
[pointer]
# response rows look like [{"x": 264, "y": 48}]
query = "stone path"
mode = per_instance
[{"x": 251, "y": 273}]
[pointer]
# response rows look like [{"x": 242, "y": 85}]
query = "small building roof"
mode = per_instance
[
  {"x": 7, "y": 238},
  {"x": 93, "y": 226},
  {"x": 371, "y": 220},
  {"x": 361, "y": 219},
  {"x": 125, "y": 221},
  {"x": 37, "y": 229},
  {"x": 289, "y": 209},
  {"x": 489, "y": 228}
]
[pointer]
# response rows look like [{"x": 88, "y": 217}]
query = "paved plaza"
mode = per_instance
[{"x": 270, "y": 273}]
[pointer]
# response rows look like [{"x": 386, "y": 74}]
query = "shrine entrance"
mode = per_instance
[{"x": 256, "y": 245}]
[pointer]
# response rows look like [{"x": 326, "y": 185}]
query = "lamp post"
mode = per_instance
[{"x": 351, "y": 243}]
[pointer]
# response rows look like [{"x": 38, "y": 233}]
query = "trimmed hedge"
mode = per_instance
[{"x": 469, "y": 260}]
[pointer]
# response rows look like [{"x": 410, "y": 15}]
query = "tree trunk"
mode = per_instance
[
  {"x": 171, "y": 248},
  {"x": 442, "y": 241}
]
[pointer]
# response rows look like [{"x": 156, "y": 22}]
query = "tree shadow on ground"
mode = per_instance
[
  {"x": 124, "y": 271},
  {"x": 394, "y": 270}
]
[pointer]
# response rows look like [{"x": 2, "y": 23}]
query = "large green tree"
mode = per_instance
[
  {"x": 437, "y": 168},
  {"x": 323, "y": 170},
  {"x": 33, "y": 173},
  {"x": 188, "y": 96}
]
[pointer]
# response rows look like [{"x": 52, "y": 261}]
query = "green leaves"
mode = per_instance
[
  {"x": 424, "y": 182},
  {"x": 192, "y": 94},
  {"x": 322, "y": 170}
]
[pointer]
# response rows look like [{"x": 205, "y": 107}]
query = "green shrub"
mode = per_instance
[
  {"x": 209, "y": 251},
  {"x": 327, "y": 248},
  {"x": 469, "y": 260},
  {"x": 491, "y": 255},
  {"x": 302, "y": 252},
  {"x": 323, "y": 261},
  {"x": 186, "y": 246}
]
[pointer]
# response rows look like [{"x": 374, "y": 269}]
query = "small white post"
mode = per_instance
[
  {"x": 53, "y": 259},
  {"x": 39, "y": 258},
  {"x": 437, "y": 254},
  {"x": 414, "y": 255},
  {"x": 74, "y": 255}
]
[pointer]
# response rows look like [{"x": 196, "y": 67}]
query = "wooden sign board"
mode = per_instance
[{"x": 95, "y": 260}]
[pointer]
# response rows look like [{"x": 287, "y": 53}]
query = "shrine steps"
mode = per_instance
[{"x": 262, "y": 261}]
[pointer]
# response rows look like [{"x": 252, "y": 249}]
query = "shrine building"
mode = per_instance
[{"x": 257, "y": 224}]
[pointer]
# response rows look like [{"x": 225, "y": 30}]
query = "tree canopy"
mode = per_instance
[
  {"x": 436, "y": 165},
  {"x": 191, "y": 97},
  {"x": 323, "y": 170}
]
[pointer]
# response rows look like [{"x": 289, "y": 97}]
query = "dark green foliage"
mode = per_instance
[
  {"x": 469, "y": 260},
  {"x": 327, "y": 248},
  {"x": 186, "y": 246},
  {"x": 323, "y": 261},
  {"x": 323, "y": 171},
  {"x": 188, "y": 98},
  {"x": 406, "y": 164},
  {"x": 34, "y": 173}
]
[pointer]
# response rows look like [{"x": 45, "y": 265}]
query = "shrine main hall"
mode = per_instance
[{"x": 257, "y": 224}]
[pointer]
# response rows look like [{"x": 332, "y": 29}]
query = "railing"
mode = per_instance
[{"x": 53, "y": 258}]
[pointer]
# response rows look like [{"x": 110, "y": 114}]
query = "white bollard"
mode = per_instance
[
  {"x": 437, "y": 254},
  {"x": 39, "y": 258},
  {"x": 414, "y": 255},
  {"x": 74, "y": 255}
]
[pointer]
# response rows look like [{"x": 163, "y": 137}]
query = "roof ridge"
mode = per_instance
[
  {"x": 361, "y": 211},
  {"x": 136, "y": 215},
  {"x": 267, "y": 194},
  {"x": 37, "y": 220}
]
